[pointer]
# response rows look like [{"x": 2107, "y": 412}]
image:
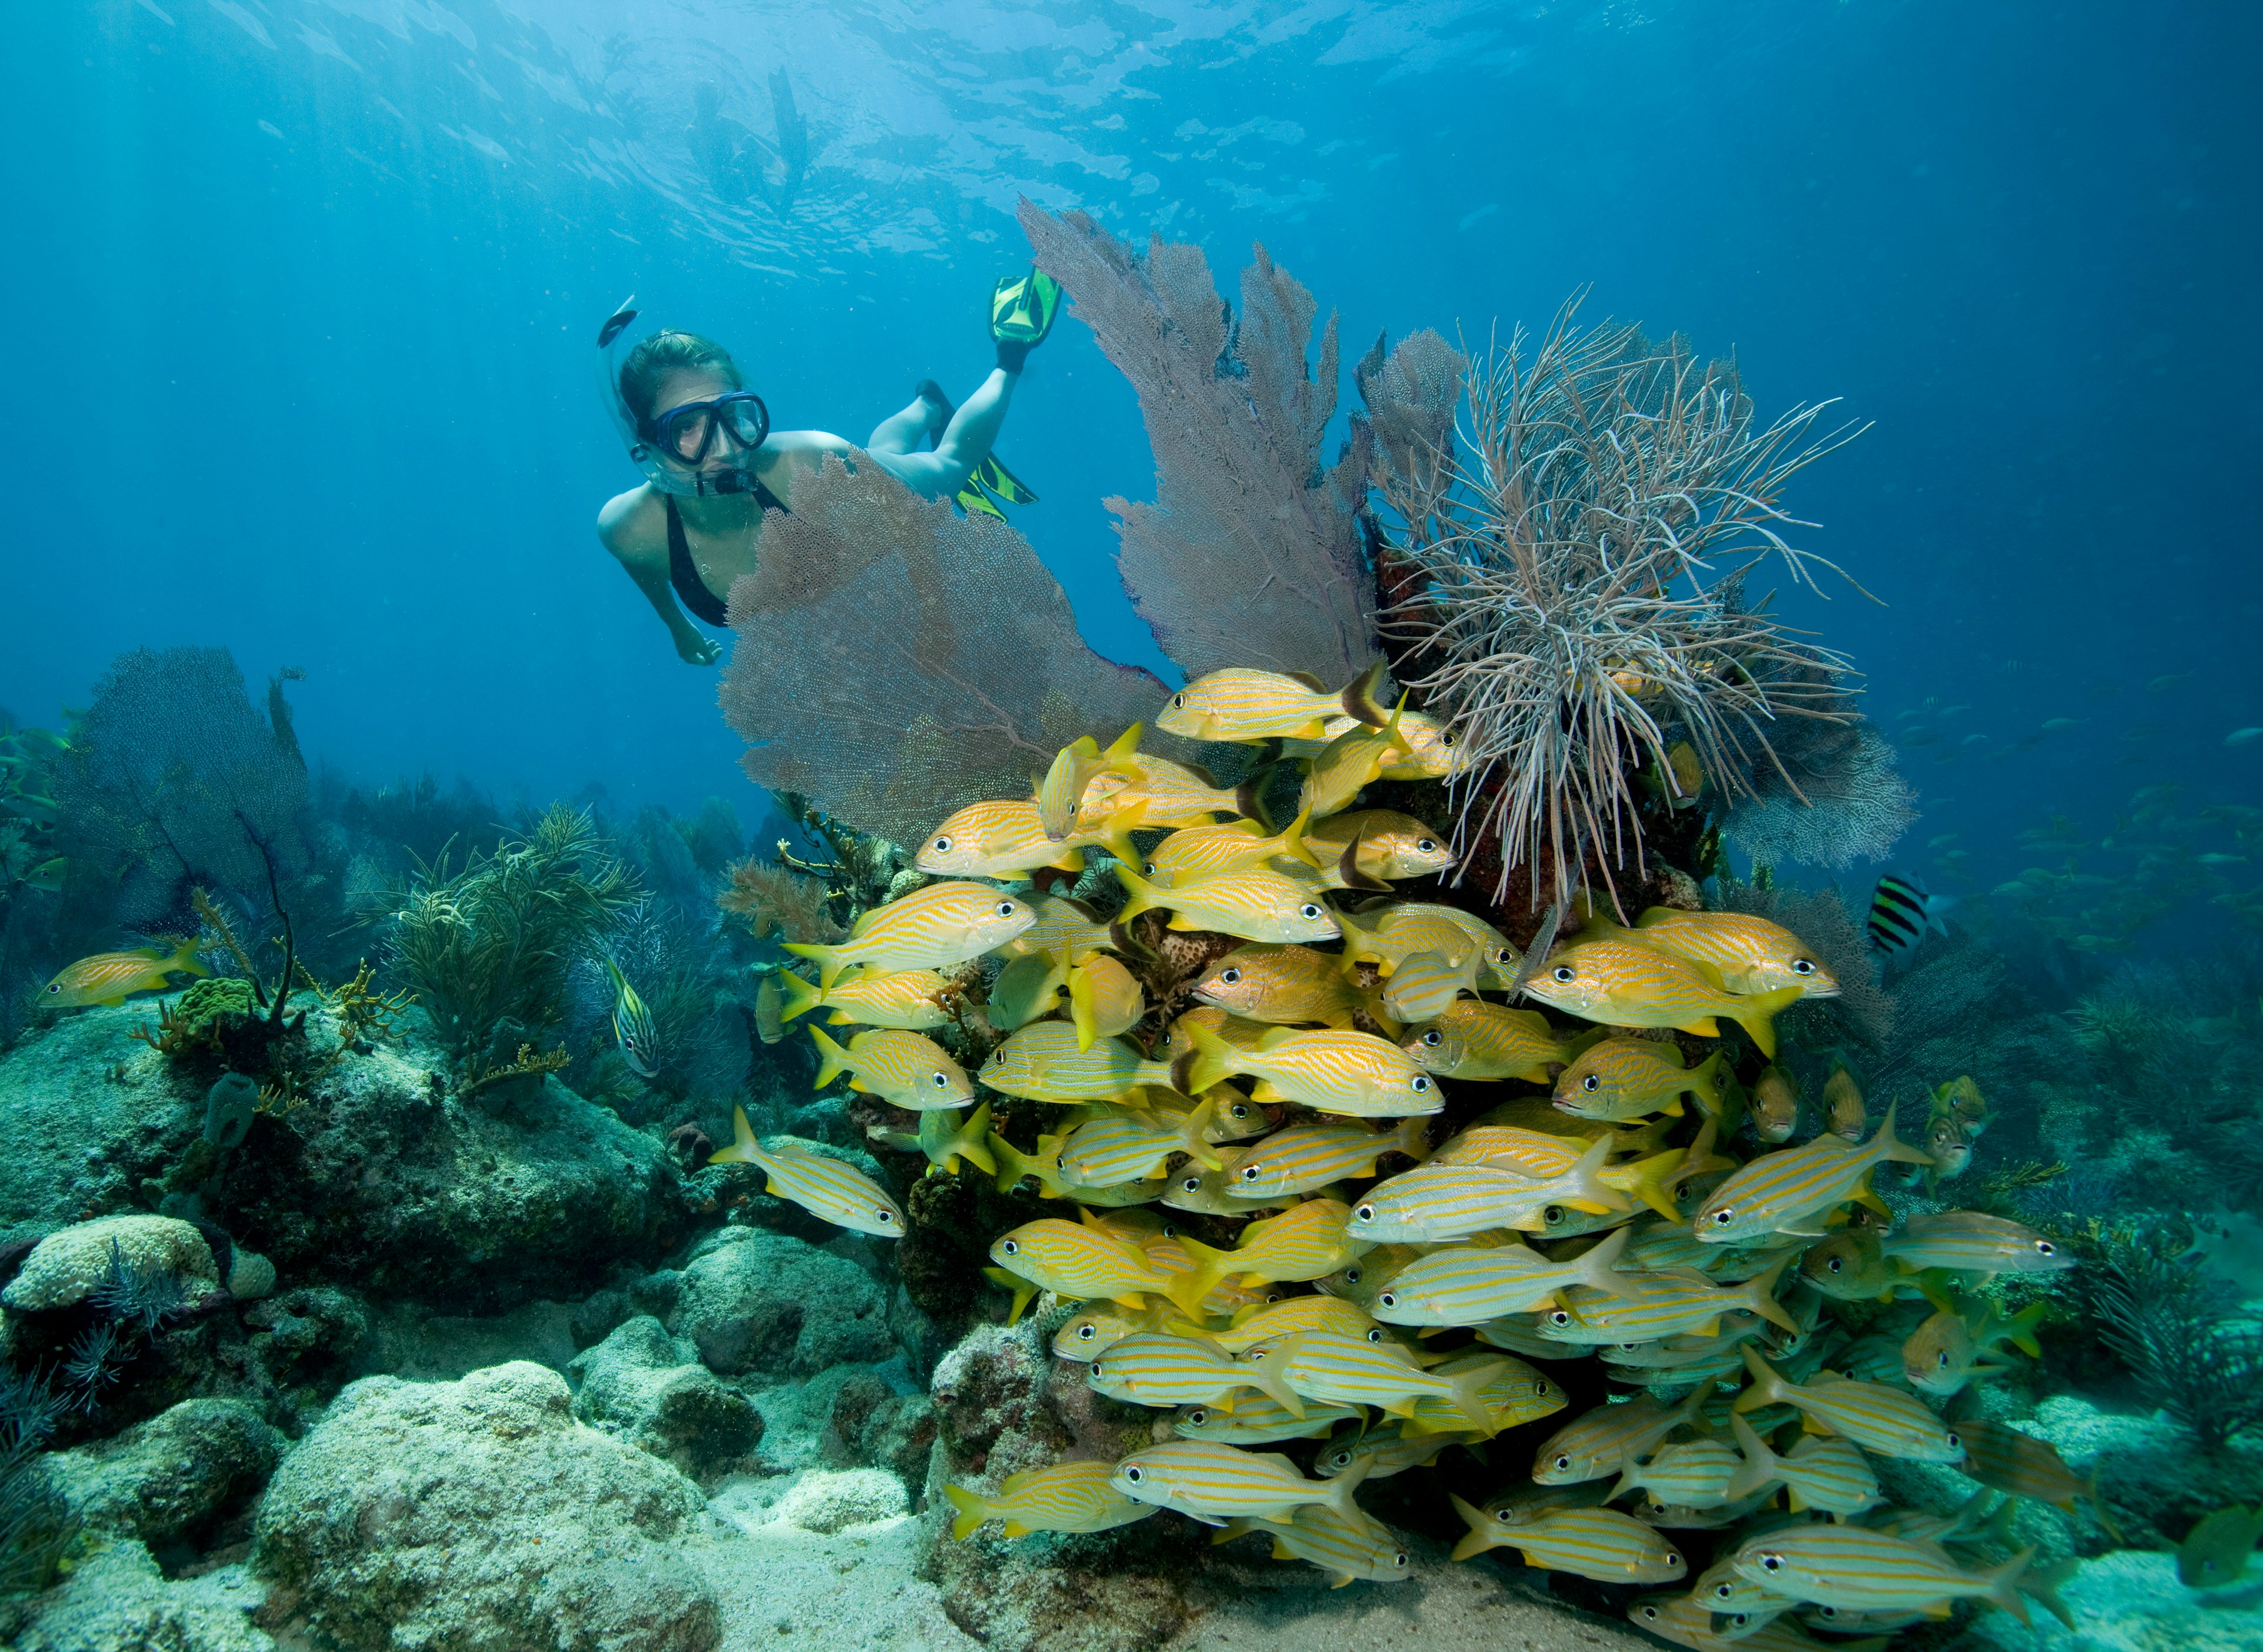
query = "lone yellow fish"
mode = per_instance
[{"x": 111, "y": 977}]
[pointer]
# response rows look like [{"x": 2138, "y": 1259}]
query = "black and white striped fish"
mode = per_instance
[{"x": 1900, "y": 912}]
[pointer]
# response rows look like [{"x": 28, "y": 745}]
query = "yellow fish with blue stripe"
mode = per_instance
[
  {"x": 903, "y": 1069},
  {"x": 1131, "y": 1147},
  {"x": 110, "y": 978},
  {"x": 1468, "y": 1285},
  {"x": 1371, "y": 846},
  {"x": 1751, "y": 955},
  {"x": 1346, "y": 1072},
  {"x": 1852, "y": 1567},
  {"x": 1262, "y": 1421},
  {"x": 1073, "y": 1497},
  {"x": 1790, "y": 1190},
  {"x": 1349, "y": 1548},
  {"x": 1205, "y": 852},
  {"x": 1105, "y": 999},
  {"x": 1304, "y": 1242},
  {"x": 1333, "y": 1367},
  {"x": 826, "y": 1188},
  {"x": 1081, "y": 1262},
  {"x": 1163, "y": 1368},
  {"x": 1875, "y": 1417},
  {"x": 946, "y": 1137},
  {"x": 1211, "y": 1481},
  {"x": 1307, "y": 1156},
  {"x": 1603, "y": 1544},
  {"x": 931, "y": 928},
  {"x": 1045, "y": 1061},
  {"x": 1240, "y": 704},
  {"x": 1822, "y": 1471},
  {"x": 1473, "y": 1040},
  {"x": 1282, "y": 985},
  {"x": 909, "y": 1000},
  {"x": 1255, "y": 904},
  {"x": 997, "y": 838},
  {"x": 1624, "y": 983},
  {"x": 1075, "y": 767}
]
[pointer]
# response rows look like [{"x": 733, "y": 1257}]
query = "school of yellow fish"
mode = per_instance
[{"x": 1392, "y": 1296}]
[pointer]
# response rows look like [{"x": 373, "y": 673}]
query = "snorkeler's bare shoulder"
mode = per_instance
[{"x": 633, "y": 527}]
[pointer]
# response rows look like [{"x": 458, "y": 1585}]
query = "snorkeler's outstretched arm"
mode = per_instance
[
  {"x": 633, "y": 528},
  {"x": 966, "y": 442}
]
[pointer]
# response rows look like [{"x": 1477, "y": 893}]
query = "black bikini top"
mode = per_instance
[{"x": 691, "y": 590}]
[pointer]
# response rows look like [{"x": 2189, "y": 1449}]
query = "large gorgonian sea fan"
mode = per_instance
[{"x": 1560, "y": 597}]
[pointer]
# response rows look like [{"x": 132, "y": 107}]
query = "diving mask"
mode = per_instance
[{"x": 674, "y": 450}]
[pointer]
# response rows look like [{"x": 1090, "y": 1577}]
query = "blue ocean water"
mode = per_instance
[{"x": 302, "y": 294}]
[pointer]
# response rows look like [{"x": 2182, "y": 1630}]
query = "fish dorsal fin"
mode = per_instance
[
  {"x": 1657, "y": 915},
  {"x": 1305, "y": 680}
]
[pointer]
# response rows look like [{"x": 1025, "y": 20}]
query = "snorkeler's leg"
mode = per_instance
[
  {"x": 904, "y": 432},
  {"x": 963, "y": 444}
]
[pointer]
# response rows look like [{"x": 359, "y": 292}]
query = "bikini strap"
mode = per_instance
[{"x": 684, "y": 573}]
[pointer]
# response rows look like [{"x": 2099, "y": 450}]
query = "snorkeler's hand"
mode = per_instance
[{"x": 694, "y": 650}]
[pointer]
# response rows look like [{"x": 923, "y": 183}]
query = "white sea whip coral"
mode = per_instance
[{"x": 1561, "y": 600}]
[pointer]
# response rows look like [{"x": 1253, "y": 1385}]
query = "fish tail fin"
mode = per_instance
[
  {"x": 833, "y": 1060},
  {"x": 827, "y": 960},
  {"x": 2004, "y": 1585},
  {"x": 2019, "y": 1330},
  {"x": 1468, "y": 1396},
  {"x": 1191, "y": 1135},
  {"x": 1212, "y": 1061},
  {"x": 744, "y": 1149},
  {"x": 1339, "y": 1499},
  {"x": 1893, "y": 1147},
  {"x": 1757, "y": 1015},
  {"x": 1125, "y": 744},
  {"x": 1583, "y": 1187},
  {"x": 1599, "y": 1267},
  {"x": 1705, "y": 1080},
  {"x": 1629, "y": 1480},
  {"x": 1269, "y": 1375},
  {"x": 800, "y": 997},
  {"x": 1760, "y": 1296},
  {"x": 1145, "y": 897},
  {"x": 1082, "y": 1012},
  {"x": 1412, "y": 1138},
  {"x": 1186, "y": 1290},
  {"x": 184, "y": 958},
  {"x": 1293, "y": 838},
  {"x": 1766, "y": 1387},
  {"x": 1249, "y": 796},
  {"x": 2041, "y": 1584},
  {"x": 1012, "y": 1166},
  {"x": 1022, "y": 1289},
  {"x": 1476, "y": 1540},
  {"x": 1363, "y": 698},
  {"x": 1118, "y": 833},
  {"x": 1652, "y": 1181},
  {"x": 1760, "y": 1460},
  {"x": 972, "y": 1512},
  {"x": 966, "y": 1142}
]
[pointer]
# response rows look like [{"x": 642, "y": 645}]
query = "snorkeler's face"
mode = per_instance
[{"x": 683, "y": 388}]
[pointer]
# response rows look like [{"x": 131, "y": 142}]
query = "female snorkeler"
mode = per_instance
[{"x": 712, "y": 465}]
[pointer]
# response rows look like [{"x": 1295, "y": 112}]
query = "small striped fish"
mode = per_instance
[
  {"x": 1126, "y": 1146},
  {"x": 826, "y": 1188},
  {"x": 1304, "y": 1242},
  {"x": 1066, "y": 930},
  {"x": 1506, "y": 1146},
  {"x": 946, "y": 1137},
  {"x": 1058, "y": 1497},
  {"x": 1822, "y": 1471},
  {"x": 1901, "y": 912},
  {"x": 1948, "y": 1349},
  {"x": 1425, "y": 985},
  {"x": 1216, "y": 1192},
  {"x": 903, "y": 1069},
  {"x": 1205, "y": 852},
  {"x": 1428, "y": 744},
  {"x": 1390, "y": 846},
  {"x": 108, "y": 978},
  {"x": 1261, "y": 1420},
  {"x": 1256, "y": 903},
  {"x": 1350, "y": 1547},
  {"x": 1852, "y": 1566},
  {"x": 1268, "y": 1322},
  {"x": 1092, "y": 1331},
  {"x": 910, "y": 1000},
  {"x": 1026, "y": 988},
  {"x": 1305, "y": 1156},
  {"x": 1600, "y": 1443},
  {"x": 1692, "y": 1474},
  {"x": 1623, "y": 1079},
  {"x": 770, "y": 1022},
  {"x": 1179, "y": 1042},
  {"x": 1752, "y": 954},
  {"x": 1686, "y": 1622},
  {"x": 1042, "y": 1167},
  {"x": 1241, "y": 704},
  {"x": 632, "y": 1026},
  {"x": 1042, "y": 1062},
  {"x": 1159, "y": 1368},
  {"x": 1685, "y": 1355},
  {"x": 1075, "y": 767},
  {"x": 1603, "y": 1544},
  {"x": 1349, "y": 762},
  {"x": 1467, "y": 1285},
  {"x": 1385, "y": 1450},
  {"x": 1001, "y": 838},
  {"x": 1875, "y": 1417},
  {"x": 932, "y": 928},
  {"x": 1104, "y": 1000},
  {"x": 1649, "y": 1306},
  {"x": 1211, "y": 1481},
  {"x": 1475, "y": 1039},
  {"x": 1968, "y": 1242},
  {"x": 1512, "y": 1393},
  {"x": 1790, "y": 1190},
  {"x": 1079, "y": 1262},
  {"x": 1519, "y": 1334},
  {"x": 2005, "y": 1459},
  {"x": 1329, "y": 1366},
  {"x": 1387, "y": 936},
  {"x": 1720, "y": 1588},
  {"x": 1283, "y": 985},
  {"x": 1624, "y": 983},
  {"x": 1359, "y": 1281},
  {"x": 1436, "y": 1201},
  {"x": 1351, "y": 1073}
]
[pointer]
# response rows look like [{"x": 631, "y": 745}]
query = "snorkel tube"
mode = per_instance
[{"x": 683, "y": 480}]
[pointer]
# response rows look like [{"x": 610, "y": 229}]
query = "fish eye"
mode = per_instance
[
  {"x": 1591, "y": 1084},
  {"x": 1771, "y": 1563},
  {"x": 884, "y": 1215},
  {"x": 1672, "y": 1559},
  {"x": 1564, "y": 972},
  {"x": 1011, "y": 1247},
  {"x": 1398, "y": 1561},
  {"x": 1541, "y": 1389},
  {"x": 1445, "y": 736},
  {"x": 1723, "y": 1591},
  {"x": 1376, "y": 1334},
  {"x": 1148, "y": 870},
  {"x": 1341, "y": 1460},
  {"x": 1351, "y": 1275},
  {"x": 1198, "y": 1417},
  {"x": 1087, "y": 1332},
  {"x": 1420, "y": 1083},
  {"x": 943, "y": 845},
  {"x": 1942, "y": 1359},
  {"x": 1096, "y": 1371},
  {"x": 1241, "y": 1110},
  {"x": 1558, "y": 1317},
  {"x": 1389, "y": 1298},
  {"x": 1007, "y": 909},
  {"x": 1650, "y": 1614},
  {"x": 1365, "y": 1213},
  {"x": 1553, "y": 1215},
  {"x": 1802, "y": 965},
  {"x": 1133, "y": 1474},
  {"x": 1426, "y": 845},
  {"x": 55, "y": 986},
  {"x": 1955, "y": 1444},
  {"x": 942, "y": 1081},
  {"x": 1192, "y": 1185},
  {"x": 2045, "y": 1248},
  {"x": 1563, "y": 1465},
  {"x": 1723, "y": 1218},
  {"x": 1309, "y": 911},
  {"x": 1249, "y": 1172},
  {"x": 1433, "y": 1039},
  {"x": 1835, "y": 1264},
  {"x": 1178, "y": 702},
  {"x": 1231, "y": 977}
]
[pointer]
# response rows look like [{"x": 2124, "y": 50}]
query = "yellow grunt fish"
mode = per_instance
[
  {"x": 111, "y": 978},
  {"x": 999, "y": 838},
  {"x": 1127, "y": 1147},
  {"x": 909, "y": 1000},
  {"x": 1387, "y": 936},
  {"x": 1341, "y": 1072},
  {"x": 1430, "y": 748},
  {"x": 1822, "y": 1471},
  {"x": 1351, "y": 762},
  {"x": 1368, "y": 847},
  {"x": 1875, "y": 1417},
  {"x": 1623, "y": 983},
  {"x": 1237, "y": 703},
  {"x": 1844, "y": 1113},
  {"x": 1601, "y": 1544},
  {"x": 1948, "y": 1349},
  {"x": 2005, "y": 1459},
  {"x": 1970, "y": 1242},
  {"x": 903, "y": 1069},
  {"x": 1161, "y": 1369},
  {"x": 1621, "y": 1079},
  {"x": 1093, "y": 1331},
  {"x": 1310, "y": 1155},
  {"x": 946, "y": 1137},
  {"x": 769, "y": 1005},
  {"x": 1304, "y": 1241},
  {"x": 1475, "y": 1039},
  {"x": 1044, "y": 1062},
  {"x": 1074, "y": 768},
  {"x": 1425, "y": 985},
  {"x": 1082, "y": 1262},
  {"x": 1600, "y": 1443},
  {"x": 1854, "y": 1567},
  {"x": 1468, "y": 1285},
  {"x": 1211, "y": 1481},
  {"x": 1064, "y": 929},
  {"x": 1262, "y": 1422},
  {"x": 1270, "y": 1322},
  {"x": 1691, "y": 1473},
  {"x": 1334, "y": 1368},
  {"x": 1790, "y": 1190},
  {"x": 1775, "y": 1105},
  {"x": 1281, "y": 984},
  {"x": 931, "y": 928},
  {"x": 1349, "y": 1548},
  {"x": 1751, "y": 955},
  {"x": 826, "y": 1188},
  {"x": 1256, "y": 903},
  {"x": 1074, "y": 1496},
  {"x": 1203, "y": 851},
  {"x": 1104, "y": 1000},
  {"x": 1439, "y": 1201}
]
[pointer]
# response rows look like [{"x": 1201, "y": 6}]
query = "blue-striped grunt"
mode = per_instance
[
  {"x": 1752, "y": 954},
  {"x": 1688, "y": 1621},
  {"x": 1163, "y": 1368},
  {"x": 632, "y": 1026},
  {"x": 1284, "y": 985},
  {"x": 1821, "y": 1471},
  {"x": 1351, "y": 1073},
  {"x": 909, "y": 1000},
  {"x": 826, "y": 1188},
  {"x": 1474, "y": 1040},
  {"x": 1646, "y": 1306},
  {"x": 1238, "y": 703},
  {"x": 1000, "y": 838},
  {"x": 1212, "y": 1481},
  {"x": 933, "y": 927},
  {"x": 1349, "y": 762},
  {"x": 1310, "y": 1155},
  {"x": 1064, "y": 929},
  {"x": 1625, "y": 984},
  {"x": 1439, "y": 1201},
  {"x": 1104, "y": 1000},
  {"x": 1951, "y": 1348},
  {"x": 1387, "y": 935},
  {"x": 1130, "y": 1147},
  {"x": 1875, "y": 1417},
  {"x": 1350, "y": 1546},
  {"x": 1623, "y": 1079},
  {"x": 1367, "y": 847},
  {"x": 1205, "y": 852},
  {"x": 1081, "y": 1262},
  {"x": 1467, "y": 1285},
  {"x": 1304, "y": 1242},
  {"x": 1970, "y": 1242},
  {"x": 945, "y": 1136},
  {"x": 1603, "y": 1544},
  {"x": 2005, "y": 1459},
  {"x": 110, "y": 978},
  {"x": 1256, "y": 903},
  {"x": 1790, "y": 1190},
  {"x": 1359, "y": 1281},
  {"x": 1261, "y": 1420},
  {"x": 1775, "y": 1105},
  {"x": 1268, "y": 1322},
  {"x": 1694, "y": 1474},
  {"x": 1095, "y": 1329},
  {"x": 1385, "y": 1450},
  {"x": 1600, "y": 1443},
  {"x": 1853, "y": 1566},
  {"x": 1073, "y": 770},
  {"x": 1073, "y": 1497},
  {"x": 1425, "y": 985},
  {"x": 1329, "y": 1366},
  {"x": 1043, "y": 1061},
  {"x": 903, "y": 1069},
  {"x": 1511, "y": 1392}
]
